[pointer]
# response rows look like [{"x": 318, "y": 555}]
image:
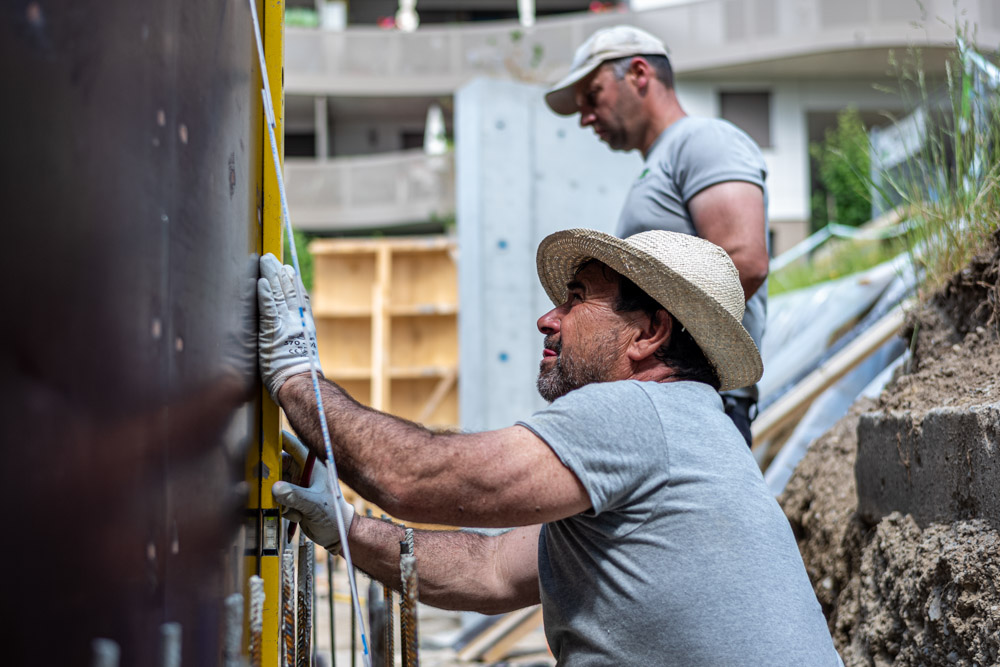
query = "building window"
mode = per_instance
[
  {"x": 300, "y": 144},
  {"x": 749, "y": 111}
]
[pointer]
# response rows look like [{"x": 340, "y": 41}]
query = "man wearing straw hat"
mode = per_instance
[
  {"x": 639, "y": 518},
  {"x": 700, "y": 176}
]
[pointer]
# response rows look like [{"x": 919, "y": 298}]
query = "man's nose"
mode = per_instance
[
  {"x": 586, "y": 117},
  {"x": 548, "y": 323}
]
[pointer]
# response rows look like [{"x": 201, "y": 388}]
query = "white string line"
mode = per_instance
[{"x": 311, "y": 341}]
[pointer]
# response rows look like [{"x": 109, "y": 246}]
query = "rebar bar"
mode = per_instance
[
  {"x": 408, "y": 601},
  {"x": 232, "y": 637},
  {"x": 390, "y": 611},
  {"x": 307, "y": 563},
  {"x": 106, "y": 653},
  {"x": 390, "y": 648},
  {"x": 170, "y": 645},
  {"x": 288, "y": 607},
  {"x": 256, "y": 620}
]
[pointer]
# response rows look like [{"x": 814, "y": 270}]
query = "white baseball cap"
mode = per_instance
[{"x": 619, "y": 41}]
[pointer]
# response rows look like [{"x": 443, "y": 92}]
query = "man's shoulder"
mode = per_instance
[
  {"x": 693, "y": 129},
  {"x": 637, "y": 390}
]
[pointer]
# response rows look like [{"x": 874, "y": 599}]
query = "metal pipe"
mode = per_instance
[
  {"x": 288, "y": 607},
  {"x": 408, "y": 600},
  {"x": 333, "y": 634},
  {"x": 170, "y": 645},
  {"x": 256, "y": 620},
  {"x": 307, "y": 563},
  {"x": 354, "y": 632},
  {"x": 232, "y": 638},
  {"x": 376, "y": 621}
]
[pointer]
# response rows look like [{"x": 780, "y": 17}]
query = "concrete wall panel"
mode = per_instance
[{"x": 522, "y": 173}]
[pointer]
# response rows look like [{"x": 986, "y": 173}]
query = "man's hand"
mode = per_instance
[
  {"x": 282, "y": 344},
  {"x": 312, "y": 507}
]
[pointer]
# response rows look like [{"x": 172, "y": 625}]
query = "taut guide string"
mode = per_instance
[{"x": 310, "y": 335}]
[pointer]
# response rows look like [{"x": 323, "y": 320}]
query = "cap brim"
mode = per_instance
[
  {"x": 722, "y": 338},
  {"x": 561, "y": 98}
]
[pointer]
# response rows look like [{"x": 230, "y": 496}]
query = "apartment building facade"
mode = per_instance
[{"x": 358, "y": 94}]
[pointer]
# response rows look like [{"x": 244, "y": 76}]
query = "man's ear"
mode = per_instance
[
  {"x": 640, "y": 72},
  {"x": 651, "y": 337}
]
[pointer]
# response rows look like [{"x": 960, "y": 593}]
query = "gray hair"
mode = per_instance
[{"x": 659, "y": 63}]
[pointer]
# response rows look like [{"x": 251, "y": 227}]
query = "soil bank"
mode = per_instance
[{"x": 894, "y": 592}]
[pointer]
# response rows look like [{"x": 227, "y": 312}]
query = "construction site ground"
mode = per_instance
[{"x": 904, "y": 552}]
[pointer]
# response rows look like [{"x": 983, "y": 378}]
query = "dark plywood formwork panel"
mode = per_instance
[{"x": 130, "y": 163}]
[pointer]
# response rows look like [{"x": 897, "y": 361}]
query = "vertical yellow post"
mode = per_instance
[{"x": 263, "y": 466}]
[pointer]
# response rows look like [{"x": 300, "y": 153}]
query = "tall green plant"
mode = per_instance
[
  {"x": 951, "y": 187},
  {"x": 302, "y": 240},
  {"x": 842, "y": 159}
]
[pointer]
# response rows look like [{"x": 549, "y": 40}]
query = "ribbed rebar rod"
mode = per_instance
[
  {"x": 256, "y": 620},
  {"x": 390, "y": 612},
  {"x": 307, "y": 564},
  {"x": 288, "y": 607},
  {"x": 408, "y": 601},
  {"x": 105, "y": 653},
  {"x": 232, "y": 632}
]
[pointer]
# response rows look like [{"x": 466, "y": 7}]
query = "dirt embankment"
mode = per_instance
[{"x": 896, "y": 593}]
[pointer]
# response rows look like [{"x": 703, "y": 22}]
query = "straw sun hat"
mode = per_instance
[{"x": 692, "y": 278}]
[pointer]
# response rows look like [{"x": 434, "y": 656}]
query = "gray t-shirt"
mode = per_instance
[
  {"x": 686, "y": 557},
  {"x": 689, "y": 156}
]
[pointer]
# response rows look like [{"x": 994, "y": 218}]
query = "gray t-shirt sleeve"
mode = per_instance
[
  {"x": 607, "y": 449},
  {"x": 713, "y": 153}
]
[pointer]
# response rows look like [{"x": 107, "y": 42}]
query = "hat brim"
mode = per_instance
[
  {"x": 561, "y": 98},
  {"x": 721, "y": 337}
]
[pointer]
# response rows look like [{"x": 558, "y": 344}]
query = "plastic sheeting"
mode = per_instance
[
  {"x": 802, "y": 325},
  {"x": 829, "y": 305}
]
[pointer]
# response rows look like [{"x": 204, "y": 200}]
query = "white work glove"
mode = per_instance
[
  {"x": 312, "y": 506},
  {"x": 281, "y": 342}
]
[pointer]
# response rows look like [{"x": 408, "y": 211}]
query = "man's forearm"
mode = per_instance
[
  {"x": 456, "y": 569},
  {"x": 358, "y": 434}
]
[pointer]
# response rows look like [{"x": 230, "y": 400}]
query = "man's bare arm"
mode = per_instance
[
  {"x": 731, "y": 215},
  {"x": 503, "y": 478},
  {"x": 456, "y": 569}
]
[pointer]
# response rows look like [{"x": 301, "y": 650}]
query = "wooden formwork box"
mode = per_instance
[{"x": 387, "y": 323}]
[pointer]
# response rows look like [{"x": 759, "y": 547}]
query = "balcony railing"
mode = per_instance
[
  {"x": 370, "y": 191},
  {"x": 701, "y": 34}
]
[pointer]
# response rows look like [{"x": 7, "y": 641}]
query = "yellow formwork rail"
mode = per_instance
[{"x": 263, "y": 466}]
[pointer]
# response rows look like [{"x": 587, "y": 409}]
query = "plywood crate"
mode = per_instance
[{"x": 387, "y": 320}]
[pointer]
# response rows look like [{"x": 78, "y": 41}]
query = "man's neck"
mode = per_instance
[
  {"x": 664, "y": 113},
  {"x": 654, "y": 373}
]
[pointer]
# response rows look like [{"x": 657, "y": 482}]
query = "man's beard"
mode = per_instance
[{"x": 569, "y": 372}]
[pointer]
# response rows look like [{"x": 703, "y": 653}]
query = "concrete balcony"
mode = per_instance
[
  {"x": 370, "y": 191},
  {"x": 710, "y": 37}
]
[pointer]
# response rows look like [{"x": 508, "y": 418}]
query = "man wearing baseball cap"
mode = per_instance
[
  {"x": 701, "y": 176},
  {"x": 639, "y": 519}
]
